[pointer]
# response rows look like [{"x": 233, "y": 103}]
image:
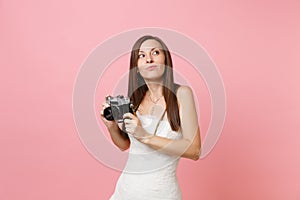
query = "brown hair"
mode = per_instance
[{"x": 137, "y": 87}]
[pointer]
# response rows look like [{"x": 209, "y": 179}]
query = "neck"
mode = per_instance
[{"x": 155, "y": 89}]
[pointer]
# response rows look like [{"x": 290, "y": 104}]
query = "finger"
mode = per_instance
[
  {"x": 104, "y": 119},
  {"x": 128, "y": 115},
  {"x": 105, "y": 105},
  {"x": 127, "y": 121},
  {"x": 129, "y": 130}
]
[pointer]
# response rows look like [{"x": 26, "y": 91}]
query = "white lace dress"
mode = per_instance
[{"x": 149, "y": 174}]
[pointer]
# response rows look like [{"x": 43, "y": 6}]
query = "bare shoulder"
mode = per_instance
[
  {"x": 187, "y": 107},
  {"x": 184, "y": 92},
  {"x": 185, "y": 96}
]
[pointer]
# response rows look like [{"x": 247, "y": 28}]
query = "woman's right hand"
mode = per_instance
[
  {"x": 108, "y": 124},
  {"x": 118, "y": 137}
]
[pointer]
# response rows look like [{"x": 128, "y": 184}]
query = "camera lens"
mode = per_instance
[{"x": 107, "y": 113}]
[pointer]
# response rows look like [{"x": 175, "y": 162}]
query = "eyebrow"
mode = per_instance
[{"x": 150, "y": 50}]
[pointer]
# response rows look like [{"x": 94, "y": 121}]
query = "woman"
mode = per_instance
[{"x": 164, "y": 127}]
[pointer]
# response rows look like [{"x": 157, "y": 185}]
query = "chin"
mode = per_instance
[
  {"x": 154, "y": 79},
  {"x": 153, "y": 75}
]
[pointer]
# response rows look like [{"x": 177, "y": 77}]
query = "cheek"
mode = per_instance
[
  {"x": 160, "y": 59},
  {"x": 162, "y": 69},
  {"x": 140, "y": 62}
]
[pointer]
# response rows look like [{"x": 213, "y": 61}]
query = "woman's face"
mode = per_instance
[{"x": 151, "y": 60}]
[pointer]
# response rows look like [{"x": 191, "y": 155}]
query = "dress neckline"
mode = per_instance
[{"x": 148, "y": 115}]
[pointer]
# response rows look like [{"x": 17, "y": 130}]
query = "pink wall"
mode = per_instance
[{"x": 255, "y": 45}]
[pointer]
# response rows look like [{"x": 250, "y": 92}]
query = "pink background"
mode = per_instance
[{"x": 255, "y": 45}]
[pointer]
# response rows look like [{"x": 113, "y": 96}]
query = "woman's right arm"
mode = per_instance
[{"x": 119, "y": 138}]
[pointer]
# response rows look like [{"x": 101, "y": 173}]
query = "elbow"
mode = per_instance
[
  {"x": 196, "y": 154},
  {"x": 123, "y": 148},
  {"x": 195, "y": 157}
]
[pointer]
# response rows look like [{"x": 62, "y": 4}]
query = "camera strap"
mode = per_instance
[{"x": 162, "y": 116}]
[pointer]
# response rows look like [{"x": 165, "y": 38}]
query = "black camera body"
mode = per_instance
[{"x": 118, "y": 106}]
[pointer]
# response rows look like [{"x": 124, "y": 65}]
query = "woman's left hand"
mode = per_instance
[{"x": 133, "y": 126}]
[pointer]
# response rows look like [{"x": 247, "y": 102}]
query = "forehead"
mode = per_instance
[{"x": 147, "y": 45}]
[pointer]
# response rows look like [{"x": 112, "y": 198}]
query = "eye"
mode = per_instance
[
  {"x": 156, "y": 52},
  {"x": 141, "y": 56}
]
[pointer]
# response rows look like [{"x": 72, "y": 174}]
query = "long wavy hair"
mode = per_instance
[{"x": 137, "y": 87}]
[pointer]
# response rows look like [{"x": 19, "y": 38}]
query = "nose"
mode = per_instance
[{"x": 149, "y": 59}]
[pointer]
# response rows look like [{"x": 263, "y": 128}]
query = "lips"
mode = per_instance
[{"x": 151, "y": 67}]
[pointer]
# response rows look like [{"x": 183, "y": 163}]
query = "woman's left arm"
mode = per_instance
[{"x": 190, "y": 144}]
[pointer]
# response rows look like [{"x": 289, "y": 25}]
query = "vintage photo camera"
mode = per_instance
[{"x": 118, "y": 106}]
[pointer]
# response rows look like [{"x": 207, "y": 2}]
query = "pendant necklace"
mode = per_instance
[{"x": 154, "y": 102}]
